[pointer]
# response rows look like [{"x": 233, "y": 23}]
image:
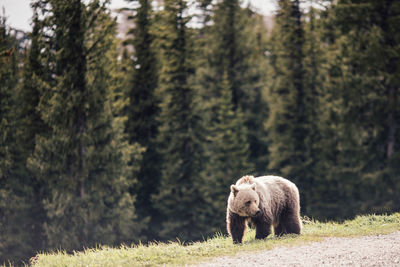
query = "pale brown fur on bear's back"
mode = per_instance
[
  {"x": 248, "y": 179},
  {"x": 279, "y": 205}
]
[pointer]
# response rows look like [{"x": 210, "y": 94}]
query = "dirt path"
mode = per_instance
[{"x": 381, "y": 250}]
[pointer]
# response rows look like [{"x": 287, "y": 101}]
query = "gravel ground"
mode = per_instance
[{"x": 381, "y": 250}]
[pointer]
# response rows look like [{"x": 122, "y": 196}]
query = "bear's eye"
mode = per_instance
[{"x": 248, "y": 203}]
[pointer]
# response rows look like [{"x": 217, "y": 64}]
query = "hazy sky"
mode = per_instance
[{"x": 18, "y": 12}]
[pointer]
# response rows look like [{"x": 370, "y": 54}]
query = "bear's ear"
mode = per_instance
[
  {"x": 234, "y": 190},
  {"x": 253, "y": 186}
]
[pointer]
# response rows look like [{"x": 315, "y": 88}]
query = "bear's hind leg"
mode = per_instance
[
  {"x": 289, "y": 223},
  {"x": 293, "y": 226},
  {"x": 237, "y": 226}
]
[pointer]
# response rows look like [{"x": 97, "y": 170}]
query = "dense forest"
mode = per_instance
[{"x": 104, "y": 144}]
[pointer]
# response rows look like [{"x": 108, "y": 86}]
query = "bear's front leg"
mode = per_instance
[
  {"x": 236, "y": 226},
  {"x": 263, "y": 227}
]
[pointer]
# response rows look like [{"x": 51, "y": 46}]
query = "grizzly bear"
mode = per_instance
[{"x": 264, "y": 201}]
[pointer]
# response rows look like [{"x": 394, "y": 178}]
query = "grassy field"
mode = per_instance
[{"x": 176, "y": 253}]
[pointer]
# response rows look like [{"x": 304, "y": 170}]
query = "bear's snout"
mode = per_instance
[{"x": 256, "y": 213}]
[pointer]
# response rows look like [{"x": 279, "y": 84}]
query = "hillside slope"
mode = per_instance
[{"x": 178, "y": 253}]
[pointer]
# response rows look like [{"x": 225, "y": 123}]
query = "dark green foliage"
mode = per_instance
[
  {"x": 346, "y": 137},
  {"x": 233, "y": 47},
  {"x": 30, "y": 124},
  {"x": 180, "y": 199},
  {"x": 255, "y": 107},
  {"x": 364, "y": 77},
  {"x": 227, "y": 156},
  {"x": 234, "y": 127},
  {"x": 143, "y": 109},
  {"x": 83, "y": 159},
  {"x": 13, "y": 206},
  {"x": 320, "y": 195},
  {"x": 290, "y": 101},
  {"x": 8, "y": 81},
  {"x": 227, "y": 55}
]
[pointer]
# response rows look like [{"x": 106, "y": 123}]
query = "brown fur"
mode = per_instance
[
  {"x": 264, "y": 201},
  {"x": 246, "y": 179}
]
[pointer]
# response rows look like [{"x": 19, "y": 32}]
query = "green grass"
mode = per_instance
[{"x": 176, "y": 253}]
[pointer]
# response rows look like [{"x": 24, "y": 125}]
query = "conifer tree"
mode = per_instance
[
  {"x": 11, "y": 202},
  {"x": 364, "y": 69},
  {"x": 29, "y": 125},
  {"x": 288, "y": 124},
  {"x": 180, "y": 200},
  {"x": 255, "y": 106},
  {"x": 16, "y": 192},
  {"x": 227, "y": 156},
  {"x": 326, "y": 197},
  {"x": 228, "y": 33},
  {"x": 233, "y": 47},
  {"x": 84, "y": 159},
  {"x": 8, "y": 81},
  {"x": 143, "y": 107}
]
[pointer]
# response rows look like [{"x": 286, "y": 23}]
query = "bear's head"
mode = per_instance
[{"x": 244, "y": 200}]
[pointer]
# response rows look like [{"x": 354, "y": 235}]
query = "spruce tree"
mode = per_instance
[
  {"x": 289, "y": 103},
  {"x": 227, "y": 25},
  {"x": 231, "y": 62},
  {"x": 227, "y": 156},
  {"x": 255, "y": 107},
  {"x": 11, "y": 198},
  {"x": 143, "y": 108},
  {"x": 233, "y": 46},
  {"x": 83, "y": 159},
  {"x": 16, "y": 190},
  {"x": 30, "y": 124},
  {"x": 326, "y": 195},
  {"x": 8, "y": 81},
  {"x": 180, "y": 200},
  {"x": 366, "y": 88}
]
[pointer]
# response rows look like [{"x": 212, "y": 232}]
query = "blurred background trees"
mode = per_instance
[{"x": 110, "y": 141}]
